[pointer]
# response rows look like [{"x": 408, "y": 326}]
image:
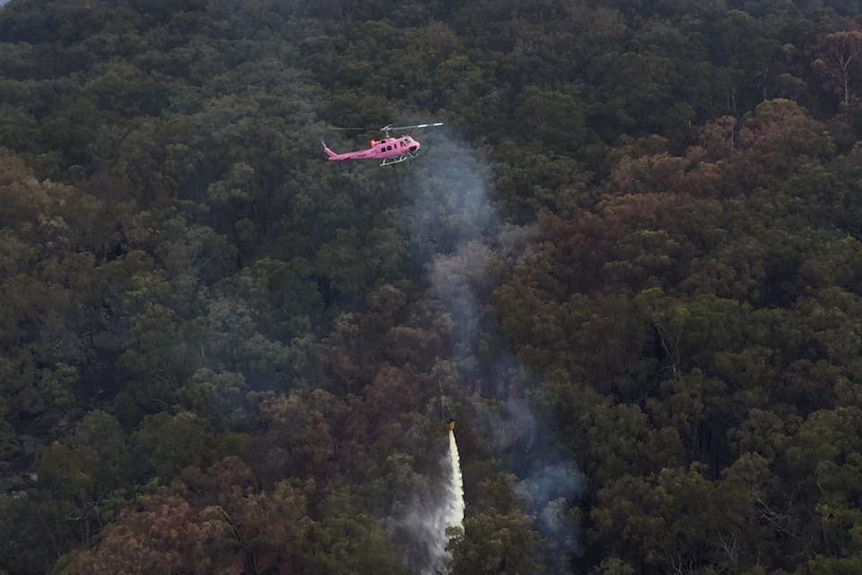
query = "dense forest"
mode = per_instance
[{"x": 629, "y": 265}]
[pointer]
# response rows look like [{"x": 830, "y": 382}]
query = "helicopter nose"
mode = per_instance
[{"x": 414, "y": 146}]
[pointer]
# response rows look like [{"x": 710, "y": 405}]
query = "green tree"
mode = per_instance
[
  {"x": 166, "y": 444},
  {"x": 495, "y": 543},
  {"x": 90, "y": 470}
]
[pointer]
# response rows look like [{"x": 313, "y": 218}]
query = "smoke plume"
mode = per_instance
[{"x": 455, "y": 227}]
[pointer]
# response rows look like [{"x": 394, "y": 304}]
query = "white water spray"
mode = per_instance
[
  {"x": 451, "y": 511},
  {"x": 430, "y": 527},
  {"x": 455, "y": 503}
]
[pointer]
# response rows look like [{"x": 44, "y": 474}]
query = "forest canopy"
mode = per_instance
[{"x": 629, "y": 265}]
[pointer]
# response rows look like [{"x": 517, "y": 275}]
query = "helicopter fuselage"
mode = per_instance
[{"x": 387, "y": 150}]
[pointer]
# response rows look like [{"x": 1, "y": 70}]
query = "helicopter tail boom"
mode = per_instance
[
  {"x": 329, "y": 153},
  {"x": 369, "y": 154}
]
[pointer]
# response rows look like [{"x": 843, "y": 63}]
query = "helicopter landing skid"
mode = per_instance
[{"x": 399, "y": 159}]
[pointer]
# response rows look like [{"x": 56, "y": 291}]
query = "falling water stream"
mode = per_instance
[
  {"x": 449, "y": 513},
  {"x": 455, "y": 503}
]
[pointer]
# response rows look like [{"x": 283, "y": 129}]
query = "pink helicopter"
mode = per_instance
[{"x": 389, "y": 150}]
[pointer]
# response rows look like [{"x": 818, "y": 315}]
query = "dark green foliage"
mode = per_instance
[{"x": 221, "y": 354}]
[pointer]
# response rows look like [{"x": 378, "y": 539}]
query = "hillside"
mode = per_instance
[{"x": 628, "y": 265}]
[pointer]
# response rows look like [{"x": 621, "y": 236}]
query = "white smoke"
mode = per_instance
[
  {"x": 450, "y": 216},
  {"x": 455, "y": 227},
  {"x": 451, "y": 207},
  {"x": 455, "y": 280},
  {"x": 547, "y": 492}
]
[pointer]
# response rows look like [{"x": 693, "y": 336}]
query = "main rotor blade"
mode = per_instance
[{"x": 387, "y": 128}]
